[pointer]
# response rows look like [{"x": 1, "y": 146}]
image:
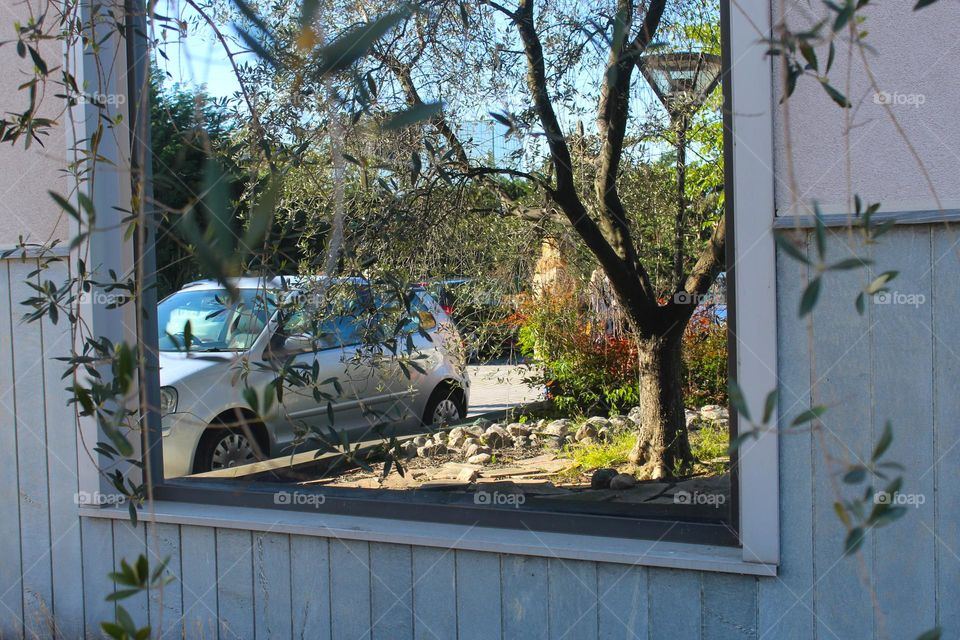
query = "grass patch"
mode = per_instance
[
  {"x": 599, "y": 455},
  {"x": 710, "y": 447}
]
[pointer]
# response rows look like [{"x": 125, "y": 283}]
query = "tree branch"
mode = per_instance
[
  {"x": 710, "y": 264},
  {"x": 613, "y": 114}
]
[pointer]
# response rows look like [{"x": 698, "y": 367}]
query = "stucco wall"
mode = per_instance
[
  {"x": 27, "y": 175},
  {"x": 914, "y": 64}
]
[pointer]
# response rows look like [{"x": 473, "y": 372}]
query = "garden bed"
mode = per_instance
[{"x": 584, "y": 460}]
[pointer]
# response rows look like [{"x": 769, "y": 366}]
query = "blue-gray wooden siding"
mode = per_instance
[{"x": 897, "y": 361}]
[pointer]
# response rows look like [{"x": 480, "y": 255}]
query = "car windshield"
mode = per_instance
[{"x": 210, "y": 321}]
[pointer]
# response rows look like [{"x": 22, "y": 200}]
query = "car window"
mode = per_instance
[
  {"x": 327, "y": 330},
  {"x": 392, "y": 312},
  {"x": 216, "y": 323}
]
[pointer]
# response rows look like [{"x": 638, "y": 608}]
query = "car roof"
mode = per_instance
[{"x": 288, "y": 282}]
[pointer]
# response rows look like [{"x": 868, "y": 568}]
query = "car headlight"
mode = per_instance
[{"x": 168, "y": 400}]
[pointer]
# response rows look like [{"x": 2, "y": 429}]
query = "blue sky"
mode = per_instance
[{"x": 200, "y": 61}]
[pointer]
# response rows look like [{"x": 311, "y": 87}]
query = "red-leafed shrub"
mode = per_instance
[
  {"x": 705, "y": 359},
  {"x": 583, "y": 369}
]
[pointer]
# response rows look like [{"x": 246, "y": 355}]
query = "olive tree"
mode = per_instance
[{"x": 536, "y": 56}]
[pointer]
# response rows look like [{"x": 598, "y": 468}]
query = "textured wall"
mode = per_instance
[
  {"x": 914, "y": 62},
  {"x": 26, "y": 176}
]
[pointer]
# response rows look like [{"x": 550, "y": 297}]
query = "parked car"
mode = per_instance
[
  {"x": 481, "y": 313},
  {"x": 208, "y": 423}
]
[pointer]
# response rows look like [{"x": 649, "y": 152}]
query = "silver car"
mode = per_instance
[{"x": 349, "y": 385}]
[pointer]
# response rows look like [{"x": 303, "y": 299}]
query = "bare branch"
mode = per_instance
[{"x": 711, "y": 262}]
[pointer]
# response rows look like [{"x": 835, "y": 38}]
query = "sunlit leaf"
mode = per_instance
[
  {"x": 413, "y": 115},
  {"x": 354, "y": 44}
]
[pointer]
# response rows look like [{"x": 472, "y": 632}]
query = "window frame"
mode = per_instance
[{"x": 748, "y": 148}]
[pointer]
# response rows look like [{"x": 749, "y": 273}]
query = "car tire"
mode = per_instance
[
  {"x": 222, "y": 447},
  {"x": 447, "y": 403}
]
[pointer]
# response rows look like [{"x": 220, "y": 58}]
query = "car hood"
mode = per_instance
[{"x": 174, "y": 366}]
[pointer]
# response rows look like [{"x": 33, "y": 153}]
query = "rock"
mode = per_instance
[
  {"x": 496, "y": 437},
  {"x": 409, "y": 449},
  {"x": 476, "y": 448},
  {"x": 475, "y": 431},
  {"x": 598, "y": 422},
  {"x": 420, "y": 441},
  {"x": 622, "y": 481},
  {"x": 467, "y": 475},
  {"x": 621, "y": 423},
  {"x": 469, "y": 441},
  {"x": 430, "y": 450},
  {"x": 518, "y": 429},
  {"x": 554, "y": 435},
  {"x": 603, "y": 435},
  {"x": 587, "y": 441},
  {"x": 714, "y": 412},
  {"x": 553, "y": 442},
  {"x": 557, "y": 428},
  {"x": 586, "y": 430},
  {"x": 601, "y": 478},
  {"x": 636, "y": 415},
  {"x": 456, "y": 437},
  {"x": 480, "y": 458},
  {"x": 483, "y": 423},
  {"x": 692, "y": 418},
  {"x": 521, "y": 442}
]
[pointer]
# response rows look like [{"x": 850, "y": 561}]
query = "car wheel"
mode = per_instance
[
  {"x": 224, "y": 448},
  {"x": 446, "y": 406}
]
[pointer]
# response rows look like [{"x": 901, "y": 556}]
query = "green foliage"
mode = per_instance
[
  {"x": 705, "y": 362},
  {"x": 584, "y": 370},
  {"x": 187, "y": 129},
  {"x": 709, "y": 443},
  {"x": 599, "y": 455},
  {"x": 132, "y": 580}
]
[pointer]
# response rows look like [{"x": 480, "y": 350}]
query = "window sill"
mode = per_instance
[{"x": 648, "y": 553}]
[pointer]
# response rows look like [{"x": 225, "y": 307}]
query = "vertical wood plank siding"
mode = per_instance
[{"x": 899, "y": 361}]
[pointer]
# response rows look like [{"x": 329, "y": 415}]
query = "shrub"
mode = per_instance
[
  {"x": 705, "y": 361},
  {"x": 586, "y": 371},
  {"x": 583, "y": 370}
]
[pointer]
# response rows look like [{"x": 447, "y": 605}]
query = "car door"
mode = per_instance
[
  {"x": 404, "y": 376},
  {"x": 331, "y": 380}
]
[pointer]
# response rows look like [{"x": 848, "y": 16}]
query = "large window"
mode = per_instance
[{"x": 492, "y": 285}]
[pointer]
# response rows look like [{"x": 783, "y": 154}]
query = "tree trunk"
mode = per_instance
[{"x": 662, "y": 448}]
